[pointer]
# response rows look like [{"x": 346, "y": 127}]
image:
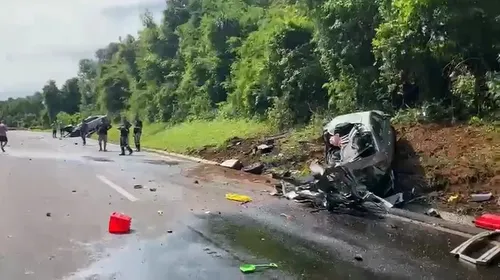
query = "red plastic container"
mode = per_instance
[
  {"x": 488, "y": 221},
  {"x": 119, "y": 223}
]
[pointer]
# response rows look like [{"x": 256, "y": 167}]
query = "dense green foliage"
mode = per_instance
[{"x": 285, "y": 61}]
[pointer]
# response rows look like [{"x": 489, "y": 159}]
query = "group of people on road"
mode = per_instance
[
  {"x": 124, "y": 128},
  {"x": 57, "y": 126}
]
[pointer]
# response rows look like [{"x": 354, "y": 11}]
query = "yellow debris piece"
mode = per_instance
[
  {"x": 453, "y": 198},
  {"x": 238, "y": 197}
]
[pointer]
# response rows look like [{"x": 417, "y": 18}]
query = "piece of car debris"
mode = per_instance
[
  {"x": 238, "y": 197},
  {"x": 196, "y": 182},
  {"x": 152, "y": 189},
  {"x": 256, "y": 168},
  {"x": 137, "y": 187},
  {"x": 264, "y": 148},
  {"x": 433, "y": 213},
  {"x": 358, "y": 257},
  {"x": 170, "y": 231},
  {"x": 48, "y": 214},
  {"x": 232, "y": 163},
  {"x": 480, "y": 197},
  {"x": 288, "y": 217}
]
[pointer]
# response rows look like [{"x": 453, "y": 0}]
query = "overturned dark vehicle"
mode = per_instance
[
  {"x": 92, "y": 123},
  {"x": 359, "y": 150}
]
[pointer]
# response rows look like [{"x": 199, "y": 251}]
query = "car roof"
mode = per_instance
[
  {"x": 94, "y": 117},
  {"x": 358, "y": 117}
]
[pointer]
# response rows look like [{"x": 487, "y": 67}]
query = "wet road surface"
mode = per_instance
[{"x": 57, "y": 196}]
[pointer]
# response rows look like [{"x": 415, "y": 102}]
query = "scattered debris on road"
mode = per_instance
[
  {"x": 152, "y": 189},
  {"x": 480, "y": 197},
  {"x": 332, "y": 187},
  {"x": 486, "y": 257},
  {"x": 488, "y": 221},
  {"x": 433, "y": 213},
  {"x": 454, "y": 198},
  {"x": 232, "y": 163},
  {"x": 238, "y": 197},
  {"x": 256, "y": 168},
  {"x": 138, "y": 187},
  {"x": 288, "y": 217},
  {"x": 250, "y": 268}
]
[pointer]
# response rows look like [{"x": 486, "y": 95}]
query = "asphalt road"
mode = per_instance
[{"x": 57, "y": 196}]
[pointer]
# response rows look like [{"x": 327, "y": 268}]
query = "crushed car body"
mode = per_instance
[
  {"x": 359, "y": 150},
  {"x": 363, "y": 142}
]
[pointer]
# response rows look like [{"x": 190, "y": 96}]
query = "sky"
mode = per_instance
[{"x": 43, "y": 40}]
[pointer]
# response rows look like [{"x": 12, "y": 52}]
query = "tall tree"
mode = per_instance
[{"x": 51, "y": 99}]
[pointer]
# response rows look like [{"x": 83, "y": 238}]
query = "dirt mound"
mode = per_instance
[
  {"x": 456, "y": 160},
  {"x": 242, "y": 149},
  {"x": 449, "y": 159}
]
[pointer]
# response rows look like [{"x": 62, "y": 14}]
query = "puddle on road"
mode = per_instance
[
  {"x": 297, "y": 257},
  {"x": 161, "y": 162},
  {"x": 180, "y": 255}
]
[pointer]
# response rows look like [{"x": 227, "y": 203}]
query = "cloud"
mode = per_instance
[{"x": 42, "y": 40}]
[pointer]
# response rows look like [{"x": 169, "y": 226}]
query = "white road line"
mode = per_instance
[{"x": 117, "y": 188}]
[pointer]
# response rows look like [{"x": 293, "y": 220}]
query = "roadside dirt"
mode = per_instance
[{"x": 445, "y": 160}]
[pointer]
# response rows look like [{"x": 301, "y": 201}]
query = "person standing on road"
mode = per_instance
[
  {"x": 83, "y": 131},
  {"x": 61, "y": 129},
  {"x": 102, "y": 132},
  {"x": 124, "y": 132},
  {"x": 137, "y": 133},
  {"x": 3, "y": 136},
  {"x": 54, "y": 129}
]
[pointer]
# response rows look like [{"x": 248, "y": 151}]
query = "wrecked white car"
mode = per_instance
[{"x": 364, "y": 143}]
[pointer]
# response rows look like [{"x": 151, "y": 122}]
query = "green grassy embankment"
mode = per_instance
[{"x": 194, "y": 135}]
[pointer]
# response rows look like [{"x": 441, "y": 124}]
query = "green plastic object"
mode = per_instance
[{"x": 249, "y": 268}]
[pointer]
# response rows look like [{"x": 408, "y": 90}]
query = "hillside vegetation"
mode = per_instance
[
  {"x": 211, "y": 70},
  {"x": 286, "y": 61}
]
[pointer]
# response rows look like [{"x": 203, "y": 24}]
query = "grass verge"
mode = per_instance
[{"x": 188, "y": 136}]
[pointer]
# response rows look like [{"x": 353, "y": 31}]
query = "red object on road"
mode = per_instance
[
  {"x": 119, "y": 223},
  {"x": 488, "y": 221}
]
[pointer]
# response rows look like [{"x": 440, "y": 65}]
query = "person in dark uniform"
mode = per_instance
[
  {"x": 124, "y": 132},
  {"x": 102, "y": 133},
  {"x": 61, "y": 129},
  {"x": 54, "y": 129},
  {"x": 126, "y": 123},
  {"x": 83, "y": 131},
  {"x": 137, "y": 133}
]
